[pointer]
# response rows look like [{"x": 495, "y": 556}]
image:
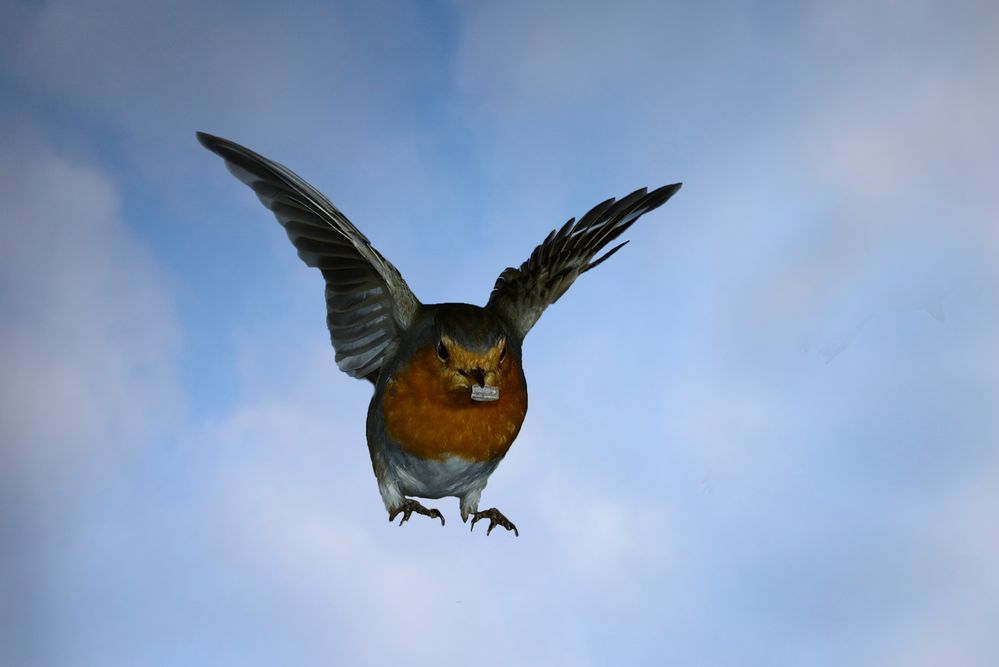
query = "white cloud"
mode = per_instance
[
  {"x": 88, "y": 346},
  {"x": 956, "y": 599},
  {"x": 608, "y": 536},
  {"x": 88, "y": 340},
  {"x": 734, "y": 434}
]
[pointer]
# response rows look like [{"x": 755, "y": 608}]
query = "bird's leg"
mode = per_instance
[
  {"x": 495, "y": 519},
  {"x": 409, "y": 506}
]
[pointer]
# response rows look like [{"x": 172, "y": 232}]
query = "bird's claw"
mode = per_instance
[
  {"x": 410, "y": 506},
  {"x": 495, "y": 519}
]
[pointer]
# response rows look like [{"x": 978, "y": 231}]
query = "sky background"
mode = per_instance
[{"x": 763, "y": 434}]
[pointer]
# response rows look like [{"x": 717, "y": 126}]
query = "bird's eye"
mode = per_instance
[{"x": 442, "y": 352}]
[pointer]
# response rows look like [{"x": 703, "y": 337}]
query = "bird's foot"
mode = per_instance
[
  {"x": 409, "y": 506},
  {"x": 495, "y": 519}
]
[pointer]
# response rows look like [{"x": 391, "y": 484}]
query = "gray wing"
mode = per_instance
[
  {"x": 521, "y": 295},
  {"x": 368, "y": 304}
]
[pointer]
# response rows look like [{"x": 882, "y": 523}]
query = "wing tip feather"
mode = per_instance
[{"x": 210, "y": 141}]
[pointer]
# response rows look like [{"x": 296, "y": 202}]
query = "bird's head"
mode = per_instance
[{"x": 473, "y": 356}]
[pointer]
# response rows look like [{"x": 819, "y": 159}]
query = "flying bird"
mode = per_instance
[{"x": 449, "y": 389}]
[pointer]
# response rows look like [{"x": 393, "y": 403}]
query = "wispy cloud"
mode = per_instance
[{"x": 88, "y": 347}]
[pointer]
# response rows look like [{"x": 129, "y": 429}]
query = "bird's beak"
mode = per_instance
[{"x": 480, "y": 390}]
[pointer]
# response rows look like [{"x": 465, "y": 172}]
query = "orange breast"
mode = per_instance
[{"x": 428, "y": 421}]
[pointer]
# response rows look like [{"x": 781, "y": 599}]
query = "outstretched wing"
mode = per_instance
[
  {"x": 368, "y": 304},
  {"x": 521, "y": 295}
]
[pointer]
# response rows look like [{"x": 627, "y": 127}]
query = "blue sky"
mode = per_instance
[{"x": 764, "y": 433}]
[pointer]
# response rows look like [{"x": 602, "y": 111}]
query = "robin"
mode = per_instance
[{"x": 449, "y": 390}]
